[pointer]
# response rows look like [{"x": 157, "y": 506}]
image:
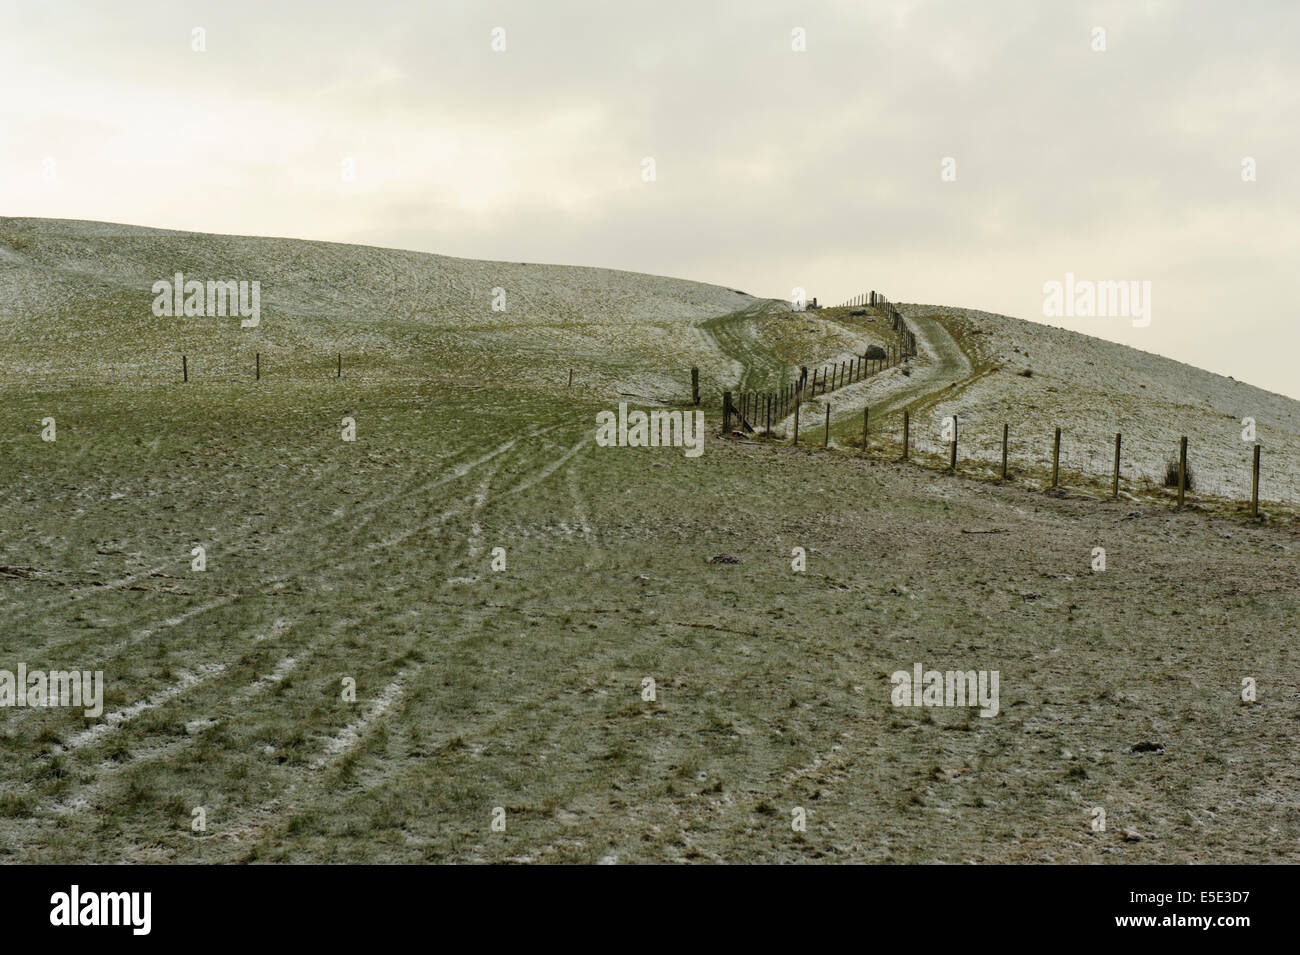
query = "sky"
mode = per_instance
[{"x": 950, "y": 152}]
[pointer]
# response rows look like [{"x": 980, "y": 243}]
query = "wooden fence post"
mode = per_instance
[
  {"x": 1182, "y": 469},
  {"x": 1114, "y": 488},
  {"x": 257, "y": 366},
  {"x": 569, "y": 386},
  {"x": 340, "y": 371},
  {"x": 907, "y": 420},
  {"x": 1254, "y": 487},
  {"x": 1005, "y": 429},
  {"x": 826, "y": 442},
  {"x": 952, "y": 463},
  {"x": 798, "y": 397},
  {"x": 866, "y": 421},
  {"x": 1056, "y": 457},
  {"x": 726, "y": 412},
  {"x": 768, "y": 429},
  {"x": 185, "y": 369},
  {"x": 695, "y": 386}
]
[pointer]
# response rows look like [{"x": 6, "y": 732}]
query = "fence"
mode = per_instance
[
  {"x": 1177, "y": 478},
  {"x": 752, "y": 408},
  {"x": 875, "y": 299}
]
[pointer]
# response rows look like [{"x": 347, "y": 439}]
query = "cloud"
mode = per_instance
[{"x": 775, "y": 168}]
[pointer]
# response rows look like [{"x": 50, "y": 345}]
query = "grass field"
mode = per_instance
[{"x": 522, "y": 688}]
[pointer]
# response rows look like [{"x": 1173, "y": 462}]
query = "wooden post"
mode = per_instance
[
  {"x": 340, "y": 371},
  {"x": 798, "y": 396},
  {"x": 1182, "y": 469},
  {"x": 952, "y": 461},
  {"x": 695, "y": 386},
  {"x": 257, "y": 366},
  {"x": 826, "y": 442},
  {"x": 1005, "y": 430},
  {"x": 906, "y": 431},
  {"x": 1056, "y": 457},
  {"x": 185, "y": 369},
  {"x": 866, "y": 421},
  {"x": 1254, "y": 487},
  {"x": 569, "y": 387},
  {"x": 726, "y": 411},
  {"x": 768, "y": 429},
  {"x": 1114, "y": 487}
]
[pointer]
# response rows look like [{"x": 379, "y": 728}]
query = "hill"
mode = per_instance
[{"x": 458, "y": 630}]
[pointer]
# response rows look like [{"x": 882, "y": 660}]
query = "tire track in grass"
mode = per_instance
[
  {"x": 26, "y": 715},
  {"x": 351, "y": 735},
  {"x": 476, "y": 529},
  {"x": 64, "y": 601},
  {"x": 580, "y": 511},
  {"x": 736, "y": 337},
  {"x": 84, "y": 797},
  {"x": 354, "y": 735},
  {"x": 114, "y": 720},
  {"x": 330, "y": 474},
  {"x": 588, "y": 674},
  {"x": 336, "y": 747},
  {"x": 370, "y": 510},
  {"x": 120, "y": 647}
]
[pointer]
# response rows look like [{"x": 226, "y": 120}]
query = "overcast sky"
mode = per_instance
[{"x": 774, "y": 167}]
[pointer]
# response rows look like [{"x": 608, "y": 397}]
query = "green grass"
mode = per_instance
[{"x": 521, "y": 689}]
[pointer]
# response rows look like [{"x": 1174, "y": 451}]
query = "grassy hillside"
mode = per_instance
[
  {"x": 1092, "y": 389},
  {"x": 523, "y": 688}
]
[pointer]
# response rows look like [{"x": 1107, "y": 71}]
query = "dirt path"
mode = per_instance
[
  {"x": 944, "y": 367},
  {"x": 737, "y": 338},
  {"x": 947, "y": 367}
]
